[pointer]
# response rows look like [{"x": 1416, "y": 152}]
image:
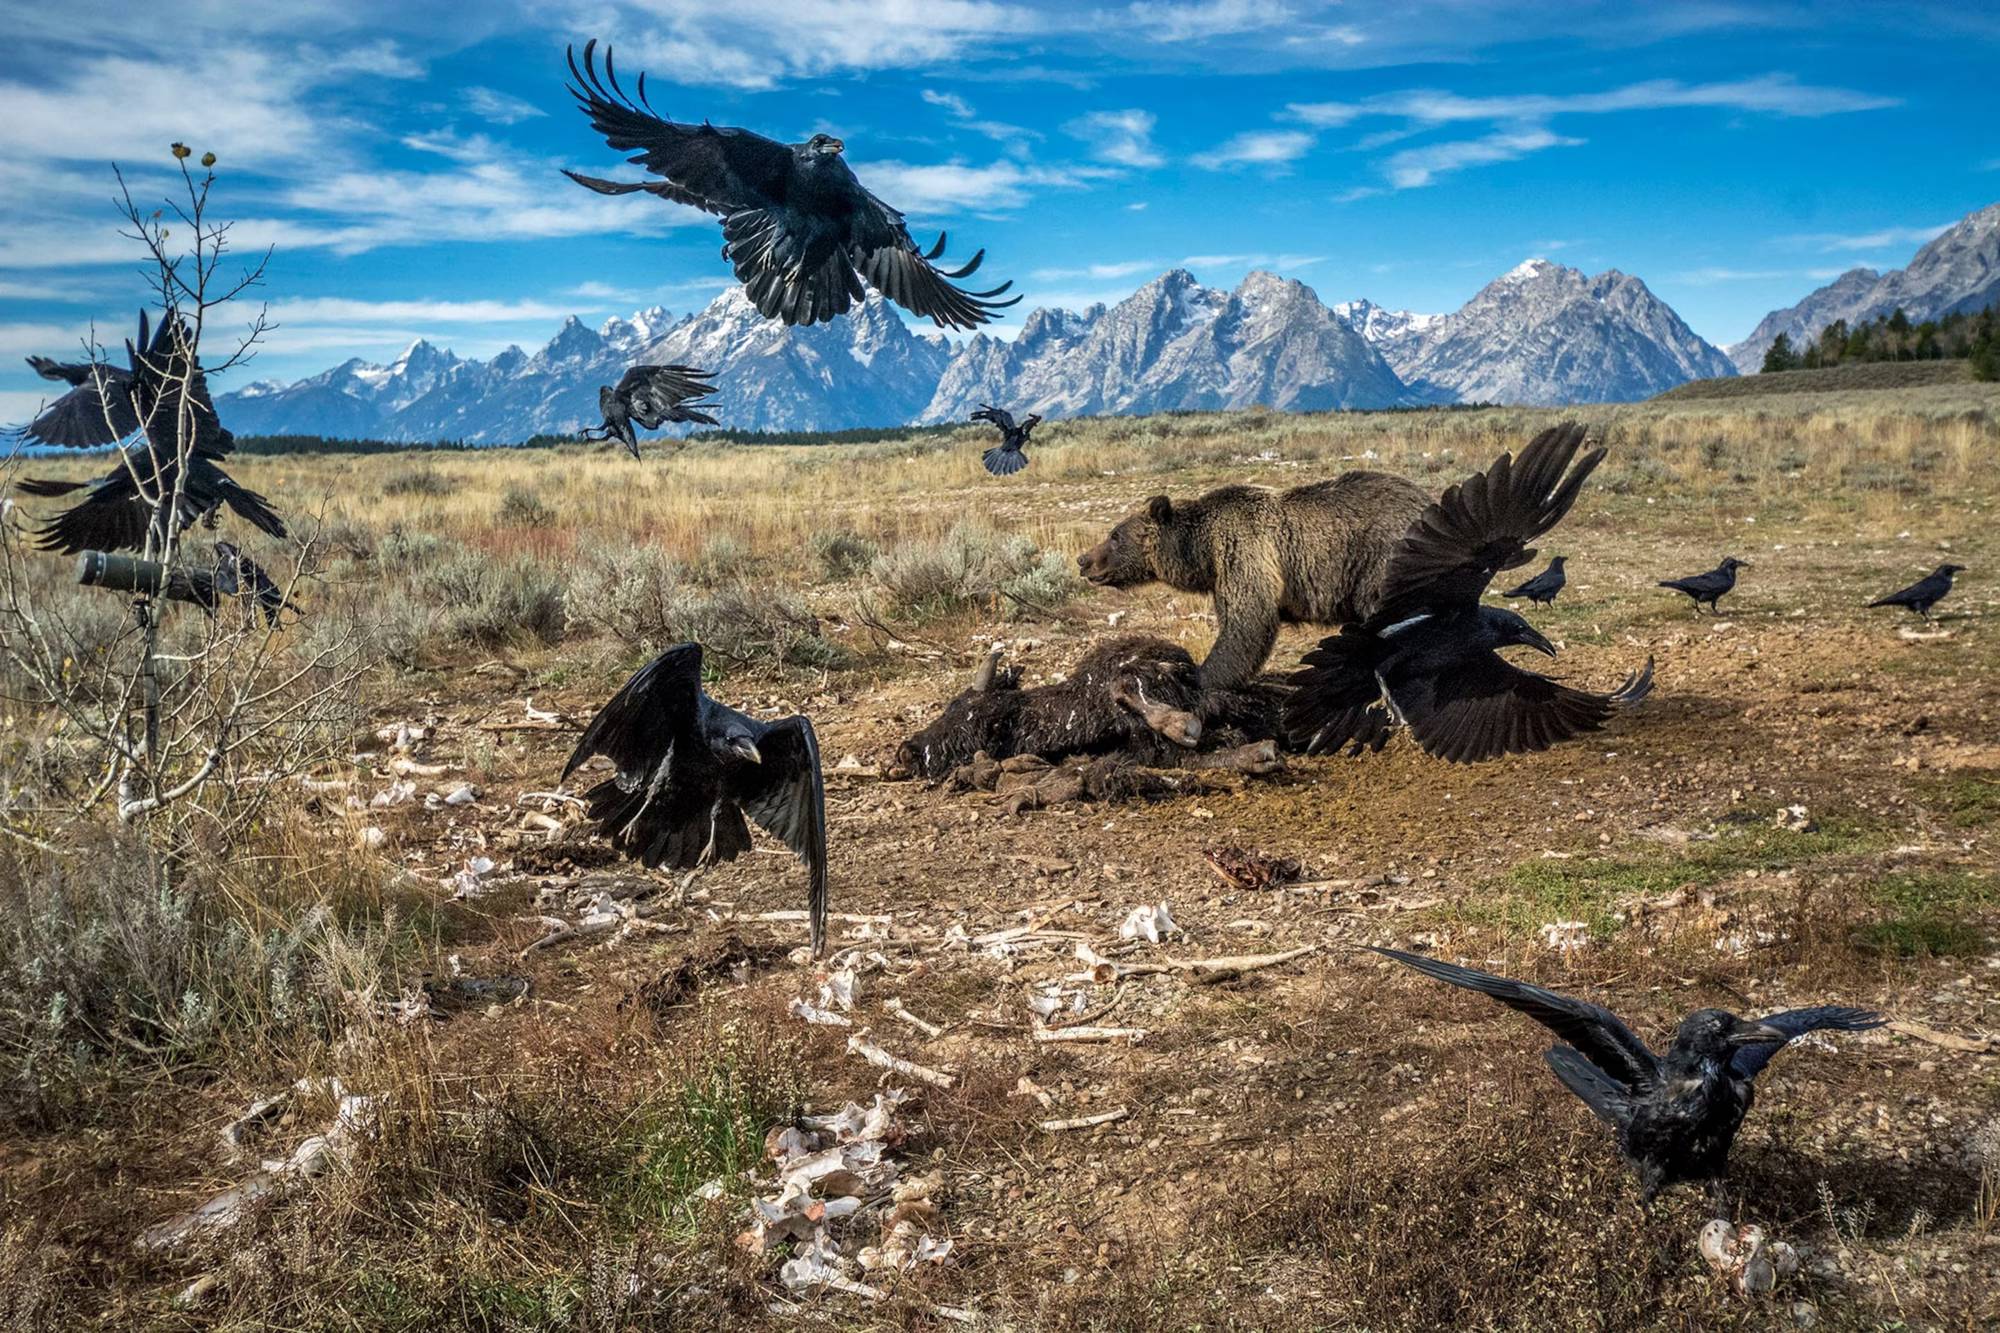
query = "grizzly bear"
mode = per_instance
[{"x": 1312, "y": 555}]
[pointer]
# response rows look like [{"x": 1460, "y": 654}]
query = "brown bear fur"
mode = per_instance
[{"x": 1312, "y": 555}]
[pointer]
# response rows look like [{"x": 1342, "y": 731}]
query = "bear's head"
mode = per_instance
[{"x": 1130, "y": 555}]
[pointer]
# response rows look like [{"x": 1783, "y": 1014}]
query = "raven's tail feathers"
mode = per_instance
[{"x": 1004, "y": 462}]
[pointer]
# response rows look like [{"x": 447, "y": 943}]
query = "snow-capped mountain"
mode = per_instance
[
  {"x": 1540, "y": 334},
  {"x": 1174, "y": 345},
  {"x": 1544, "y": 334},
  {"x": 1958, "y": 271}
]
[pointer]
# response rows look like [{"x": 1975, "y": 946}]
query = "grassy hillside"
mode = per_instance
[{"x": 1871, "y": 376}]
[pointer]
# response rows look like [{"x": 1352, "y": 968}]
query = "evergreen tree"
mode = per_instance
[{"x": 1779, "y": 356}]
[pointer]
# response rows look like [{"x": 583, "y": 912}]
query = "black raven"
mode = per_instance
[
  {"x": 801, "y": 232},
  {"x": 1010, "y": 455},
  {"x": 165, "y": 395},
  {"x": 1544, "y": 586},
  {"x": 1427, "y": 658},
  {"x": 237, "y": 575},
  {"x": 1711, "y": 586},
  {"x": 1925, "y": 593},
  {"x": 1676, "y": 1114},
  {"x": 651, "y": 396},
  {"x": 690, "y": 769}
]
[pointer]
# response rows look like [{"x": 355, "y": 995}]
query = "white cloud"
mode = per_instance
[
  {"x": 1123, "y": 269},
  {"x": 501, "y": 108},
  {"x": 1773, "y": 94},
  {"x": 1257, "y": 147},
  {"x": 1182, "y": 22},
  {"x": 1708, "y": 277},
  {"x": 961, "y": 111},
  {"x": 61, "y": 341},
  {"x": 1414, "y": 168},
  {"x": 951, "y": 102},
  {"x": 344, "y": 310},
  {"x": 1872, "y": 240},
  {"x": 1278, "y": 261},
  {"x": 19, "y": 406},
  {"x": 1121, "y": 137},
  {"x": 951, "y": 187}
]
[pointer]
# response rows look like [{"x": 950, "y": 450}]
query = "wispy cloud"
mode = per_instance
[
  {"x": 1124, "y": 138},
  {"x": 1100, "y": 272},
  {"x": 1871, "y": 240},
  {"x": 343, "y": 310},
  {"x": 1257, "y": 148},
  {"x": 1772, "y": 94},
  {"x": 1199, "y": 19},
  {"x": 951, "y": 187},
  {"x": 1253, "y": 260},
  {"x": 502, "y": 108},
  {"x": 1414, "y": 168},
  {"x": 963, "y": 113}
]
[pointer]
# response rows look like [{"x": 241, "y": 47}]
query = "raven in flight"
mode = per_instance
[
  {"x": 165, "y": 395},
  {"x": 1010, "y": 455},
  {"x": 690, "y": 769},
  {"x": 1542, "y": 588},
  {"x": 1427, "y": 659},
  {"x": 1925, "y": 593},
  {"x": 651, "y": 396},
  {"x": 799, "y": 229},
  {"x": 1711, "y": 586},
  {"x": 1676, "y": 1114}
]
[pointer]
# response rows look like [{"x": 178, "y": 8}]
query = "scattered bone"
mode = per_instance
[
  {"x": 896, "y": 1009},
  {"x": 541, "y": 715},
  {"x": 371, "y": 838},
  {"x": 1081, "y": 1032},
  {"x": 403, "y": 736},
  {"x": 859, "y": 1045},
  {"x": 1753, "y": 1263},
  {"x": 1565, "y": 937},
  {"x": 548, "y": 798},
  {"x": 1794, "y": 819},
  {"x": 1949, "y": 1041},
  {"x": 812, "y": 1013},
  {"x": 404, "y": 767},
  {"x": 1085, "y": 1121},
  {"x": 396, "y": 793},
  {"x": 1151, "y": 924}
]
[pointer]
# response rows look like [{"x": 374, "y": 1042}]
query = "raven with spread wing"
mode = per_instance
[
  {"x": 1010, "y": 455},
  {"x": 164, "y": 395},
  {"x": 801, "y": 232},
  {"x": 651, "y": 396},
  {"x": 1676, "y": 1114},
  {"x": 1427, "y": 659},
  {"x": 690, "y": 769}
]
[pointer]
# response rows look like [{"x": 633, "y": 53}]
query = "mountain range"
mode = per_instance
[
  {"x": 1958, "y": 271},
  {"x": 1540, "y": 334}
]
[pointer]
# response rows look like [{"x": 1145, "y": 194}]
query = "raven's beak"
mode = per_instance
[
  {"x": 839, "y": 145},
  {"x": 745, "y": 748},
  {"x": 1757, "y": 1034},
  {"x": 1533, "y": 639}
]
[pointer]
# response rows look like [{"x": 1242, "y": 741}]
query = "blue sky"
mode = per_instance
[{"x": 402, "y": 158}]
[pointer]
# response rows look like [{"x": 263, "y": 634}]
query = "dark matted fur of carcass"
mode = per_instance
[{"x": 1135, "y": 696}]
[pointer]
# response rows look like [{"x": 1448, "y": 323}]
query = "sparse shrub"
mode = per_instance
[
  {"x": 969, "y": 566},
  {"x": 724, "y": 557},
  {"x": 403, "y": 549},
  {"x": 422, "y": 480},
  {"x": 1043, "y": 585},
  {"x": 644, "y": 598},
  {"x": 843, "y": 553},
  {"x": 629, "y": 593},
  {"x": 520, "y": 507},
  {"x": 488, "y": 604}
]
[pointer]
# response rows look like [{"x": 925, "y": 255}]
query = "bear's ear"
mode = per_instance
[{"x": 1160, "y": 509}]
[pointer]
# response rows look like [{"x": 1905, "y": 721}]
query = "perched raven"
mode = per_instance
[
  {"x": 237, "y": 575},
  {"x": 1010, "y": 455},
  {"x": 1427, "y": 658},
  {"x": 1676, "y": 1114},
  {"x": 1711, "y": 586},
  {"x": 165, "y": 395},
  {"x": 651, "y": 396},
  {"x": 801, "y": 232},
  {"x": 690, "y": 769},
  {"x": 1925, "y": 593},
  {"x": 1544, "y": 586}
]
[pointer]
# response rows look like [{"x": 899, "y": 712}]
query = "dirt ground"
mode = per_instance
[{"x": 1806, "y": 811}]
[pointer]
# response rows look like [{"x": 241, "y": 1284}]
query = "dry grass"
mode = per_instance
[{"x": 1334, "y": 1145}]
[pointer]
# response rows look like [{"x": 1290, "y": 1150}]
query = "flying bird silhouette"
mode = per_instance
[
  {"x": 689, "y": 769},
  {"x": 1675, "y": 1114},
  {"x": 1427, "y": 659},
  {"x": 1542, "y": 588},
  {"x": 651, "y": 396},
  {"x": 801, "y": 232},
  {"x": 1010, "y": 455},
  {"x": 1925, "y": 593},
  {"x": 1711, "y": 586},
  {"x": 165, "y": 395}
]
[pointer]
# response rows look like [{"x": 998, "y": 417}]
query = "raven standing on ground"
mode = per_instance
[
  {"x": 1010, "y": 455},
  {"x": 1925, "y": 593},
  {"x": 1544, "y": 586},
  {"x": 799, "y": 229},
  {"x": 1427, "y": 658},
  {"x": 1676, "y": 1114},
  {"x": 651, "y": 396},
  {"x": 690, "y": 769},
  {"x": 1711, "y": 586},
  {"x": 164, "y": 394}
]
